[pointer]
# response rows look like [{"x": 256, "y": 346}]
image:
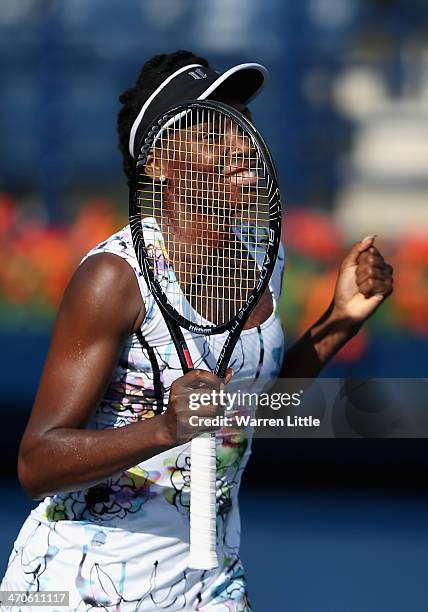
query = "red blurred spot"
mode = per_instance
[
  {"x": 313, "y": 234},
  {"x": 8, "y": 210}
]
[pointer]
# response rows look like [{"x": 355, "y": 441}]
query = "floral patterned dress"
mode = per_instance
[{"x": 123, "y": 544}]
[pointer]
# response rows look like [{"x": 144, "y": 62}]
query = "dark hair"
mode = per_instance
[{"x": 153, "y": 73}]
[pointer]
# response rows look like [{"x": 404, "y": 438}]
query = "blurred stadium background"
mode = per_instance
[{"x": 346, "y": 115}]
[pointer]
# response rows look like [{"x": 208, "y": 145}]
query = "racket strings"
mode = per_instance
[{"x": 211, "y": 213}]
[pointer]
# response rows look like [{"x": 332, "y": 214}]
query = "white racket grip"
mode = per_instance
[{"x": 203, "y": 554}]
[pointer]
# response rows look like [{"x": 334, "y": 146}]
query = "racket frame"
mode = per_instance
[
  {"x": 207, "y": 557},
  {"x": 175, "y": 320}
]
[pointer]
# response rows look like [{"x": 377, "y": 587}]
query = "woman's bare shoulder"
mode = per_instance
[{"x": 106, "y": 283}]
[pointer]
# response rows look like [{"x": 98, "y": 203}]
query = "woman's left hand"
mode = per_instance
[{"x": 364, "y": 281}]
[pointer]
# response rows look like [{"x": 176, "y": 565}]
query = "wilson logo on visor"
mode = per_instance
[{"x": 198, "y": 74}]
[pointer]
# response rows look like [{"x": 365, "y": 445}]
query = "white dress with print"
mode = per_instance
[{"x": 123, "y": 545}]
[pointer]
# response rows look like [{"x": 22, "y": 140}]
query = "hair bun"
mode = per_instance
[
  {"x": 154, "y": 62},
  {"x": 127, "y": 95}
]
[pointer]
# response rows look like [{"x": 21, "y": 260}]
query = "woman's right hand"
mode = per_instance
[{"x": 176, "y": 424}]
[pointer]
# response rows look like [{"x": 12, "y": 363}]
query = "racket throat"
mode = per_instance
[{"x": 184, "y": 355}]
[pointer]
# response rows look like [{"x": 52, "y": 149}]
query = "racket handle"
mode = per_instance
[{"x": 203, "y": 553}]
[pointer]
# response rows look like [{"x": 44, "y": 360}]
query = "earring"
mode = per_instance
[{"x": 162, "y": 178}]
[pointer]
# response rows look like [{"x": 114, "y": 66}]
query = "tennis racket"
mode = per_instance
[{"x": 205, "y": 217}]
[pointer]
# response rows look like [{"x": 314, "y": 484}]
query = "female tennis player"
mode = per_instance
[{"x": 102, "y": 449}]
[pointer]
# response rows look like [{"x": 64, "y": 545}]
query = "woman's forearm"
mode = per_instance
[
  {"x": 66, "y": 459},
  {"x": 307, "y": 357}
]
